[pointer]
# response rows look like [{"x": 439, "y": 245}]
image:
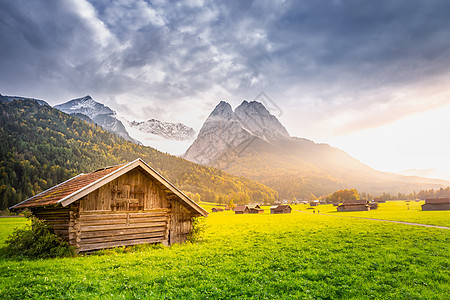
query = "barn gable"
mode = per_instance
[{"x": 117, "y": 206}]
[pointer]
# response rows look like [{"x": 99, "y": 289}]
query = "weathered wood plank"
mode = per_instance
[
  {"x": 91, "y": 247},
  {"x": 145, "y": 220},
  {"x": 150, "y": 213},
  {"x": 104, "y": 216},
  {"x": 103, "y": 222},
  {"x": 109, "y": 227},
  {"x": 122, "y": 237},
  {"x": 102, "y": 233}
]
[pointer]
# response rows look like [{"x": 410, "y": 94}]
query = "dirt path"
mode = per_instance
[{"x": 391, "y": 221}]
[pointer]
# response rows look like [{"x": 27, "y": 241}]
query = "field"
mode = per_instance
[{"x": 299, "y": 255}]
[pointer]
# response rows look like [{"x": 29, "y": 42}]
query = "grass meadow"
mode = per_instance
[{"x": 294, "y": 256}]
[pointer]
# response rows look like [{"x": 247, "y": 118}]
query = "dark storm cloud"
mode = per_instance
[{"x": 336, "y": 53}]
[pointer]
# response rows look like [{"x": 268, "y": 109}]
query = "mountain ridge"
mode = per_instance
[
  {"x": 295, "y": 167},
  {"x": 152, "y": 132},
  {"x": 42, "y": 146}
]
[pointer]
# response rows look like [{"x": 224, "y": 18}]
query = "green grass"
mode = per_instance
[
  {"x": 7, "y": 225},
  {"x": 293, "y": 256},
  {"x": 393, "y": 210}
]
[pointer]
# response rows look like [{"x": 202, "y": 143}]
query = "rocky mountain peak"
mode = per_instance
[
  {"x": 255, "y": 118},
  {"x": 225, "y": 131},
  {"x": 223, "y": 109}
]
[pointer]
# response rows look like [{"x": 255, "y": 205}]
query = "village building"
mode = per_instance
[
  {"x": 241, "y": 209},
  {"x": 354, "y": 205},
  {"x": 217, "y": 209},
  {"x": 373, "y": 205},
  {"x": 314, "y": 203},
  {"x": 255, "y": 209},
  {"x": 436, "y": 204},
  {"x": 122, "y": 205},
  {"x": 379, "y": 200},
  {"x": 280, "y": 209}
]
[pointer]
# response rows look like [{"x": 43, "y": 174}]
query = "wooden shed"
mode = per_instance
[
  {"x": 280, "y": 209},
  {"x": 379, "y": 200},
  {"x": 373, "y": 205},
  {"x": 436, "y": 204},
  {"x": 217, "y": 209},
  {"x": 241, "y": 209},
  {"x": 354, "y": 205},
  {"x": 122, "y": 205},
  {"x": 255, "y": 209}
]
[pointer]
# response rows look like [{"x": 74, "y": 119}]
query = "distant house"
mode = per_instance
[
  {"x": 255, "y": 209},
  {"x": 217, "y": 209},
  {"x": 373, "y": 205},
  {"x": 379, "y": 200},
  {"x": 122, "y": 205},
  {"x": 241, "y": 209},
  {"x": 436, "y": 204},
  {"x": 280, "y": 209},
  {"x": 314, "y": 203},
  {"x": 353, "y": 205}
]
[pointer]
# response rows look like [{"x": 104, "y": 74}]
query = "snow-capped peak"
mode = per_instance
[{"x": 86, "y": 106}]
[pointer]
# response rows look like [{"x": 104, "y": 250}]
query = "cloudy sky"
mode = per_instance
[{"x": 370, "y": 77}]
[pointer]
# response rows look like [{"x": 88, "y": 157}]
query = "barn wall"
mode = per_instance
[
  {"x": 353, "y": 208},
  {"x": 99, "y": 230},
  {"x": 436, "y": 206},
  {"x": 180, "y": 223},
  {"x": 129, "y": 210},
  {"x": 58, "y": 218},
  {"x": 132, "y": 191}
]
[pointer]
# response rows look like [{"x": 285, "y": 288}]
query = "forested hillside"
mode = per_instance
[{"x": 41, "y": 146}]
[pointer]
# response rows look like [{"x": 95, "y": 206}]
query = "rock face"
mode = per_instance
[
  {"x": 255, "y": 118},
  {"x": 226, "y": 133},
  {"x": 98, "y": 113}
]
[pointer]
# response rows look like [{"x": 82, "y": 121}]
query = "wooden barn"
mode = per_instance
[
  {"x": 217, "y": 209},
  {"x": 280, "y": 209},
  {"x": 436, "y": 204},
  {"x": 373, "y": 205},
  {"x": 241, "y": 209},
  {"x": 255, "y": 209},
  {"x": 122, "y": 205},
  {"x": 354, "y": 205},
  {"x": 379, "y": 200}
]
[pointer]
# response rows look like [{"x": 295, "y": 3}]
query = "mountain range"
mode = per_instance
[
  {"x": 42, "y": 146},
  {"x": 165, "y": 136},
  {"x": 251, "y": 142}
]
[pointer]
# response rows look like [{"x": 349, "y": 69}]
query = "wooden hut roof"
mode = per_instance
[
  {"x": 250, "y": 206},
  {"x": 280, "y": 207},
  {"x": 77, "y": 187},
  {"x": 354, "y": 202},
  {"x": 437, "y": 200},
  {"x": 241, "y": 208}
]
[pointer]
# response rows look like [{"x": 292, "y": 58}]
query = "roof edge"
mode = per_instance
[
  {"x": 74, "y": 194},
  {"x": 137, "y": 162},
  {"x": 53, "y": 187}
]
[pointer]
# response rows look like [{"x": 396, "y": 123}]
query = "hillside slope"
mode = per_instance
[{"x": 42, "y": 146}]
